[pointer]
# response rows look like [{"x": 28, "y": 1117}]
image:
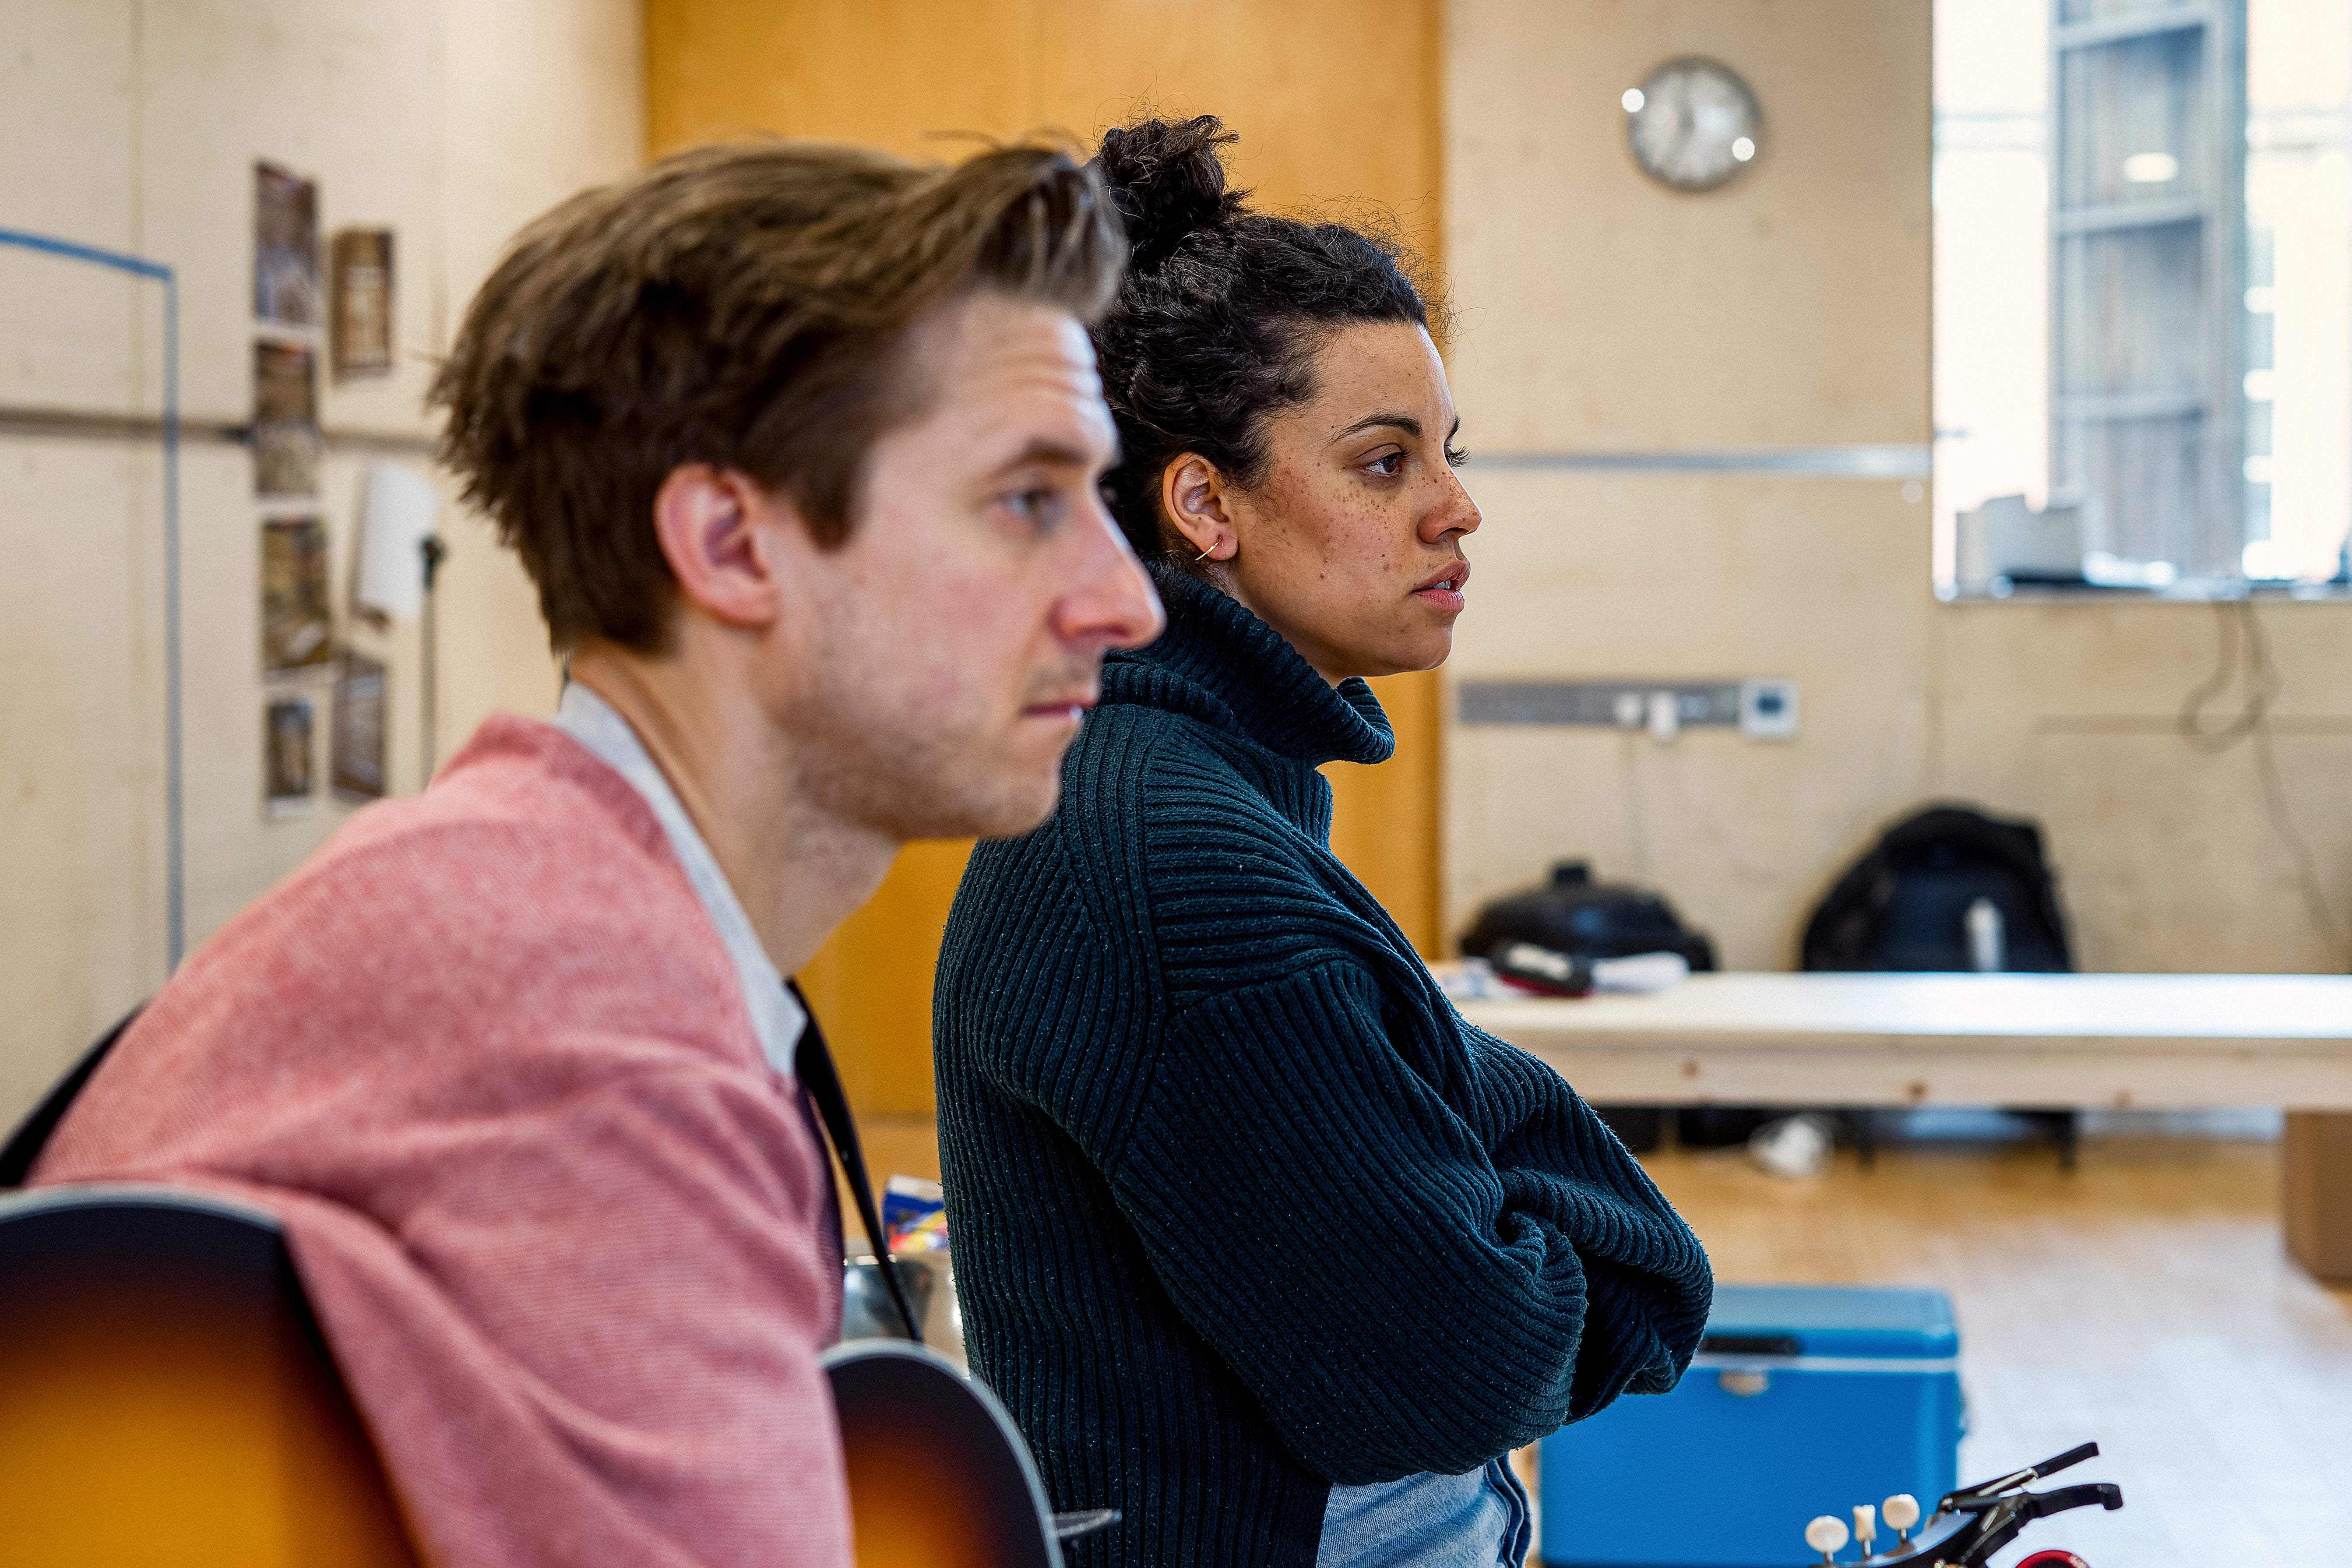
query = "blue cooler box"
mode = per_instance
[{"x": 1803, "y": 1400}]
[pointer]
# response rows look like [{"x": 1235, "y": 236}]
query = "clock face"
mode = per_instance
[{"x": 1693, "y": 124}]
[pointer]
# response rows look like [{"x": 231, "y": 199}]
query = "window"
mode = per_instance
[{"x": 2142, "y": 294}]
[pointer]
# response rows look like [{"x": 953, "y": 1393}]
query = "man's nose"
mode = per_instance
[{"x": 1109, "y": 602}]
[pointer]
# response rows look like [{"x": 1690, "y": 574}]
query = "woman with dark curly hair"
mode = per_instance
[{"x": 1261, "y": 1245}]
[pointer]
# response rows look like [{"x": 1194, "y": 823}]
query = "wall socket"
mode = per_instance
[
  {"x": 1769, "y": 709},
  {"x": 1763, "y": 709}
]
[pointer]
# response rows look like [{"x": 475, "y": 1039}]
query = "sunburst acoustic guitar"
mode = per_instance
[
  {"x": 165, "y": 1398},
  {"x": 166, "y": 1401}
]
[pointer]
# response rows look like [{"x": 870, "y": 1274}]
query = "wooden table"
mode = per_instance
[
  {"x": 2088, "y": 1041},
  {"x": 2124, "y": 1041}
]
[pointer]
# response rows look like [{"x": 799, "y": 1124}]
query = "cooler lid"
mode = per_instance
[{"x": 1874, "y": 1321}]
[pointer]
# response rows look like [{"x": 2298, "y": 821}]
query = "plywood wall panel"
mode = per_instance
[
  {"x": 80, "y": 815},
  {"x": 2169, "y": 857},
  {"x": 134, "y": 126},
  {"x": 1698, "y": 578},
  {"x": 1607, "y": 311},
  {"x": 1335, "y": 98},
  {"x": 896, "y": 74}
]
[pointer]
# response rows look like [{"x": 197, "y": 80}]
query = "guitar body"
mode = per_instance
[
  {"x": 938, "y": 1476},
  {"x": 165, "y": 1398},
  {"x": 166, "y": 1401}
]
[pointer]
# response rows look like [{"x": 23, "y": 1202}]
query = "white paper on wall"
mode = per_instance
[{"x": 398, "y": 509}]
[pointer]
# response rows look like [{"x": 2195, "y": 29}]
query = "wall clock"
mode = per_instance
[{"x": 1693, "y": 124}]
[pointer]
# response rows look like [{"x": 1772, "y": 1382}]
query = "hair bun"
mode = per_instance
[{"x": 1167, "y": 180}]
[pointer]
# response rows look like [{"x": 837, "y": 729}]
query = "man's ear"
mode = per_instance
[
  {"x": 1192, "y": 498},
  {"x": 708, "y": 522}
]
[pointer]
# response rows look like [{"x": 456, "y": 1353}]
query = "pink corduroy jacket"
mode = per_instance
[{"x": 571, "y": 1240}]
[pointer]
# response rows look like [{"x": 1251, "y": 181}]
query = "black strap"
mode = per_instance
[
  {"x": 813, "y": 1064},
  {"x": 32, "y": 1135}
]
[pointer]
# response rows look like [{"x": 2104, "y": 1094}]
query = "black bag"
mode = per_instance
[
  {"x": 1575, "y": 915},
  {"x": 1903, "y": 906}
]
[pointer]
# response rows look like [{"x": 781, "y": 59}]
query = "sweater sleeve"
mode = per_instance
[{"x": 1403, "y": 1288}]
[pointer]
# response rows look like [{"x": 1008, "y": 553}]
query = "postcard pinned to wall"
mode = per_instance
[
  {"x": 297, "y": 627},
  {"x": 285, "y": 247},
  {"x": 356, "y": 766},
  {"x": 361, "y": 269},
  {"x": 288, "y": 782},
  {"x": 286, "y": 445}
]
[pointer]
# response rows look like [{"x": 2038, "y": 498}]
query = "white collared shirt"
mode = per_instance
[{"x": 776, "y": 1018}]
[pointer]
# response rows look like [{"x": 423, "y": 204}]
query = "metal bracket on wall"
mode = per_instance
[
  {"x": 1596, "y": 701},
  {"x": 28, "y": 419},
  {"x": 1882, "y": 460},
  {"x": 1761, "y": 709}
]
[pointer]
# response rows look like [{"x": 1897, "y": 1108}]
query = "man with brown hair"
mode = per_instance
[{"x": 800, "y": 447}]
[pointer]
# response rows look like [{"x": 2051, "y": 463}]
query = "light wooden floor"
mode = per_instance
[{"x": 2144, "y": 1301}]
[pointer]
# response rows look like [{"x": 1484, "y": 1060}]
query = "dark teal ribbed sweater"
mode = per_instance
[{"x": 1240, "y": 1207}]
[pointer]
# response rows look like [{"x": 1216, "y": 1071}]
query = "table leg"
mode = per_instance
[
  {"x": 1865, "y": 1121},
  {"x": 2317, "y": 1196}
]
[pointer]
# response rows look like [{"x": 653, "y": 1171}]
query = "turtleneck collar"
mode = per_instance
[{"x": 1219, "y": 663}]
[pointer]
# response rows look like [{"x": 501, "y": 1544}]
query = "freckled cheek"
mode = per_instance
[{"x": 1386, "y": 541}]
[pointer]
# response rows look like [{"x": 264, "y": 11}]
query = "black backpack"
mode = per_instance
[{"x": 1903, "y": 906}]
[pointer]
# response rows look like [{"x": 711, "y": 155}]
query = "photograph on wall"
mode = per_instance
[
  {"x": 355, "y": 768},
  {"x": 298, "y": 628},
  {"x": 361, "y": 320},
  {"x": 285, "y": 419},
  {"x": 287, "y": 789},
  {"x": 285, "y": 247}
]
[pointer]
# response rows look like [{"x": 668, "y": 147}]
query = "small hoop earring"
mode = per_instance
[{"x": 1203, "y": 555}]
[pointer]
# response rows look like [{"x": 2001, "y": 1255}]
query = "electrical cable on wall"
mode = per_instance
[
  {"x": 2245, "y": 654},
  {"x": 1637, "y": 815},
  {"x": 175, "y": 892}
]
